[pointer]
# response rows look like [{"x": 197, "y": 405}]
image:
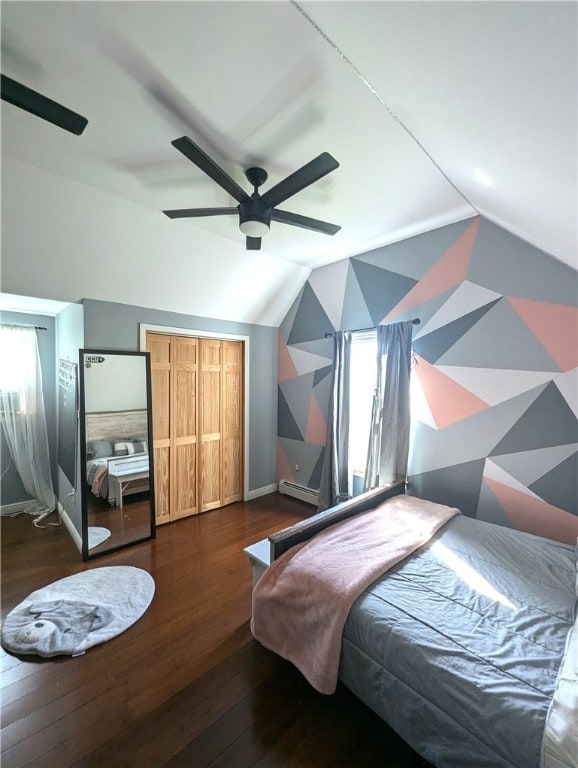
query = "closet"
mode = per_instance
[{"x": 197, "y": 410}]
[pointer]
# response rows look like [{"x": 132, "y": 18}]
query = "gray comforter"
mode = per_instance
[{"x": 458, "y": 647}]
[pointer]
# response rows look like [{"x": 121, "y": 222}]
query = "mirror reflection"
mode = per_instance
[{"x": 118, "y": 490}]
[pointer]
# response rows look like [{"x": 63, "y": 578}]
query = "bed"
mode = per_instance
[
  {"x": 114, "y": 437},
  {"x": 467, "y": 647}
]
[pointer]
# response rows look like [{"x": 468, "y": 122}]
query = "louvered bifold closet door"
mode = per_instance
[
  {"x": 210, "y": 414},
  {"x": 159, "y": 347},
  {"x": 232, "y": 432},
  {"x": 184, "y": 375}
]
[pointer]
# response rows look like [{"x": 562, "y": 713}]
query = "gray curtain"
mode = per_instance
[
  {"x": 389, "y": 434},
  {"x": 335, "y": 472}
]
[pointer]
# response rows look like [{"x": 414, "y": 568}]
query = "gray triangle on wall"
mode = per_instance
[
  {"x": 303, "y": 455},
  {"x": 468, "y": 439},
  {"x": 499, "y": 260},
  {"x": 315, "y": 478},
  {"x": 416, "y": 255},
  {"x": 457, "y": 486},
  {"x": 382, "y": 290},
  {"x": 289, "y": 318},
  {"x": 548, "y": 421},
  {"x": 433, "y": 346},
  {"x": 489, "y": 508},
  {"x": 297, "y": 393},
  {"x": 559, "y": 486},
  {"x": 322, "y": 347},
  {"x": 354, "y": 314},
  {"x": 286, "y": 424},
  {"x": 499, "y": 339},
  {"x": 311, "y": 321}
]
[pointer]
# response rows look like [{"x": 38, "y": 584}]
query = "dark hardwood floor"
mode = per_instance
[
  {"x": 187, "y": 685},
  {"x": 130, "y": 523}
]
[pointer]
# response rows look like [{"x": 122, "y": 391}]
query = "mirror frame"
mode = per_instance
[{"x": 86, "y": 554}]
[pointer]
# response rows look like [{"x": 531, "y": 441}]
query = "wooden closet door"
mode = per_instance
[
  {"x": 210, "y": 415},
  {"x": 184, "y": 372},
  {"x": 159, "y": 347},
  {"x": 197, "y": 394},
  {"x": 232, "y": 431}
]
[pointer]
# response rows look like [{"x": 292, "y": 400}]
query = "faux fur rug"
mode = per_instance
[
  {"x": 97, "y": 536},
  {"x": 75, "y": 613}
]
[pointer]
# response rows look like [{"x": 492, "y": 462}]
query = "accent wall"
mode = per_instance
[{"x": 494, "y": 379}]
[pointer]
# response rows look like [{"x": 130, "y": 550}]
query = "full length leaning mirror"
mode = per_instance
[{"x": 116, "y": 456}]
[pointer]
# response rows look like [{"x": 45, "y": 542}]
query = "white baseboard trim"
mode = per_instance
[
  {"x": 15, "y": 508},
  {"x": 76, "y": 538},
  {"x": 260, "y": 492}
]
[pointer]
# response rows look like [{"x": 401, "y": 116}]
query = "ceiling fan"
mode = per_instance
[
  {"x": 256, "y": 211},
  {"x": 31, "y": 101}
]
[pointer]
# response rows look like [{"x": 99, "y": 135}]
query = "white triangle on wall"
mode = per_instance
[
  {"x": 495, "y": 385},
  {"x": 465, "y": 299},
  {"x": 494, "y": 472}
]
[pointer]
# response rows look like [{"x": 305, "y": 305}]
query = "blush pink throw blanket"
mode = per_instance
[{"x": 301, "y": 602}]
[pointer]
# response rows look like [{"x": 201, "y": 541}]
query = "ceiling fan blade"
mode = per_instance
[
  {"x": 196, "y": 155},
  {"x": 253, "y": 243},
  {"x": 296, "y": 220},
  {"x": 186, "y": 213},
  {"x": 31, "y": 101},
  {"x": 313, "y": 170}
]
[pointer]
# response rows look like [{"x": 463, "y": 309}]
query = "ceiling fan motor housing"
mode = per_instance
[
  {"x": 256, "y": 176},
  {"x": 253, "y": 209}
]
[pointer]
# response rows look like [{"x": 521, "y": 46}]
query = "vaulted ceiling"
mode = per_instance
[{"x": 435, "y": 111}]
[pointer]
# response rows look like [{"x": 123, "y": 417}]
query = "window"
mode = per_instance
[
  {"x": 362, "y": 383},
  {"x": 17, "y": 372}
]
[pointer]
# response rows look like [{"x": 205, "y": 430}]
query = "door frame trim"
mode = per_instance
[{"x": 173, "y": 331}]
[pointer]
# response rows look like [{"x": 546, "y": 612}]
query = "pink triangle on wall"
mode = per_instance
[
  {"x": 450, "y": 270},
  {"x": 555, "y": 326},
  {"x": 285, "y": 366},
  {"x": 448, "y": 401},
  {"x": 316, "y": 426},
  {"x": 527, "y": 513}
]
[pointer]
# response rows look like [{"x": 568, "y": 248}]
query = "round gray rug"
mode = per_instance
[
  {"x": 79, "y": 611},
  {"x": 97, "y": 536}
]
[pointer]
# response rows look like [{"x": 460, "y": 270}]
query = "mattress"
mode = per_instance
[{"x": 458, "y": 647}]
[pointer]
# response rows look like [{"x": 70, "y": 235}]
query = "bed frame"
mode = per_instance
[
  {"x": 120, "y": 424},
  {"x": 262, "y": 553},
  {"x": 283, "y": 540},
  {"x": 107, "y": 424}
]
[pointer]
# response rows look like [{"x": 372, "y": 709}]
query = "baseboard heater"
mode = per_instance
[{"x": 299, "y": 492}]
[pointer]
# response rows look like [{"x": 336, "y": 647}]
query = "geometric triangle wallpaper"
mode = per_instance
[{"x": 495, "y": 371}]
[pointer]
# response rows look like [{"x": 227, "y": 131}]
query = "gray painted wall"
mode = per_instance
[
  {"x": 12, "y": 491},
  {"x": 108, "y": 325}
]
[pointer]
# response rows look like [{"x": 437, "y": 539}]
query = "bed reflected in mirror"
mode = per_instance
[{"x": 117, "y": 465}]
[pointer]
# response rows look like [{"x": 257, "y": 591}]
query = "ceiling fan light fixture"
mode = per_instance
[{"x": 254, "y": 228}]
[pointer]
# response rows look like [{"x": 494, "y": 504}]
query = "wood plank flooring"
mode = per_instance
[{"x": 187, "y": 685}]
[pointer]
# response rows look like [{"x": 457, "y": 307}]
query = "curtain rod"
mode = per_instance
[
  {"x": 23, "y": 325},
  {"x": 415, "y": 321}
]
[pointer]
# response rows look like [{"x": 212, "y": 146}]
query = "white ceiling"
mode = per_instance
[
  {"x": 30, "y": 305},
  {"x": 420, "y": 102}
]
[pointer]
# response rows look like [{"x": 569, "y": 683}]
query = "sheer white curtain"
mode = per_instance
[{"x": 22, "y": 414}]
